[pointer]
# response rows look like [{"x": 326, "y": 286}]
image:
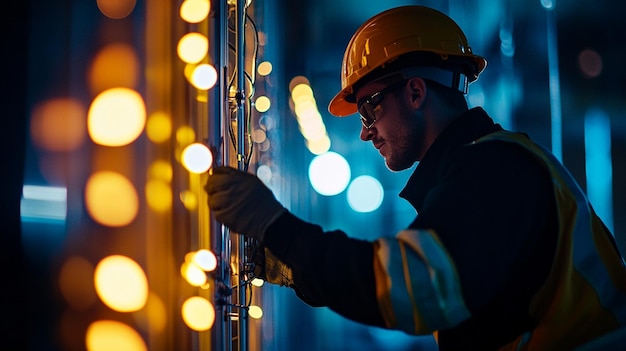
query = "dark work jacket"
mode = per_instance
[{"x": 491, "y": 206}]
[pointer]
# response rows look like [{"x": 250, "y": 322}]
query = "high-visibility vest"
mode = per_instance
[{"x": 583, "y": 298}]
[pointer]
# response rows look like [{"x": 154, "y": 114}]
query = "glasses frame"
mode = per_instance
[{"x": 368, "y": 106}]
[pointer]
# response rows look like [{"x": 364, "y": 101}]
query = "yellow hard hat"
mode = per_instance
[{"x": 401, "y": 37}]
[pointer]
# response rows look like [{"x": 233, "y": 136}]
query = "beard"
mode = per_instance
[{"x": 405, "y": 141}]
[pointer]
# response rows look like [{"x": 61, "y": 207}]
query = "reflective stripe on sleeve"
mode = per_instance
[{"x": 417, "y": 283}]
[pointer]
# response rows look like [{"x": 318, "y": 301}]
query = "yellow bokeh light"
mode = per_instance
[
  {"x": 198, "y": 313},
  {"x": 111, "y": 199},
  {"x": 255, "y": 312},
  {"x": 298, "y": 80},
  {"x": 107, "y": 335},
  {"x": 185, "y": 135},
  {"x": 116, "y": 117},
  {"x": 160, "y": 170},
  {"x": 58, "y": 124},
  {"x": 301, "y": 92},
  {"x": 312, "y": 129},
  {"x": 121, "y": 283},
  {"x": 189, "y": 200},
  {"x": 318, "y": 146},
  {"x": 153, "y": 316},
  {"x": 257, "y": 282},
  {"x": 193, "y": 274},
  {"x": 204, "y": 77},
  {"x": 194, "y": 11},
  {"x": 159, "y": 127},
  {"x": 193, "y": 47},
  {"x": 116, "y": 65},
  {"x": 197, "y": 158},
  {"x": 307, "y": 109},
  {"x": 205, "y": 259},
  {"x": 264, "y": 68},
  {"x": 188, "y": 70},
  {"x": 159, "y": 195},
  {"x": 262, "y": 104},
  {"x": 74, "y": 283}
]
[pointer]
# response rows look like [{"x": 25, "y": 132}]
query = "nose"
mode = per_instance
[{"x": 367, "y": 134}]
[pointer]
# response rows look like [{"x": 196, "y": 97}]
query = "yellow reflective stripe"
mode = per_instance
[
  {"x": 413, "y": 269},
  {"x": 383, "y": 282},
  {"x": 581, "y": 227},
  {"x": 409, "y": 288},
  {"x": 398, "y": 307},
  {"x": 442, "y": 272}
]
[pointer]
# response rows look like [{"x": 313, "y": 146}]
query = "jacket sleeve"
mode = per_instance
[
  {"x": 327, "y": 268},
  {"x": 478, "y": 238}
]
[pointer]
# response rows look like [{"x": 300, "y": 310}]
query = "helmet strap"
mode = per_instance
[{"x": 442, "y": 76}]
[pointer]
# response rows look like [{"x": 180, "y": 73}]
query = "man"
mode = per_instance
[{"x": 505, "y": 251}]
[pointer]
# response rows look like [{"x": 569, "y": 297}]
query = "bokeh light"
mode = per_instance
[
  {"x": 121, "y": 283},
  {"x": 255, "y": 312},
  {"x": 107, "y": 335},
  {"x": 116, "y": 117},
  {"x": 193, "y": 274},
  {"x": 58, "y": 124},
  {"x": 312, "y": 128},
  {"x": 153, "y": 316},
  {"x": 365, "y": 194},
  {"x": 197, "y": 158},
  {"x": 310, "y": 121},
  {"x": 205, "y": 259},
  {"x": 198, "y": 313},
  {"x": 115, "y": 65},
  {"x": 75, "y": 283},
  {"x": 116, "y": 9},
  {"x": 329, "y": 173},
  {"x": 111, "y": 199},
  {"x": 159, "y": 195},
  {"x": 193, "y": 47},
  {"x": 159, "y": 127},
  {"x": 189, "y": 199},
  {"x": 264, "y": 172},
  {"x": 185, "y": 135},
  {"x": 264, "y": 68},
  {"x": 204, "y": 77},
  {"x": 259, "y": 136},
  {"x": 301, "y": 92},
  {"x": 160, "y": 170},
  {"x": 194, "y": 11},
  {"x": 319, "y": 146},
  {"x": 262, "y": 104},
  {"x": 590, "y": 63}
]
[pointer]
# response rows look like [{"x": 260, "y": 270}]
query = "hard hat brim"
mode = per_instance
[{"x": 339, "y": 107}]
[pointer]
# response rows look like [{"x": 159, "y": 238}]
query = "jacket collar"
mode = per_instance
[{"x": 469, "y": 126}]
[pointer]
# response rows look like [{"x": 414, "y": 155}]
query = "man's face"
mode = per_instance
[{"x": 398, "y": 130}]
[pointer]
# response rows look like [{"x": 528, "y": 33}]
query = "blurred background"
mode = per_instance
[{"x": 113, "y": 113}]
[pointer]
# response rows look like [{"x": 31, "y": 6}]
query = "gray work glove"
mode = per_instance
[{"x": 241, "y": 201}]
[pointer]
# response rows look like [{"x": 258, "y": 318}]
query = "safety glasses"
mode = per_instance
[{"x": 368, "y": 106}]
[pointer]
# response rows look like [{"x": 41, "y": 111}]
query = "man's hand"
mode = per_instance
[{"x": 241, "y": 201}]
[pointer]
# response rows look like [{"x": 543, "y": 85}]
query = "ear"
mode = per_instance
[{"x": 418, "y": 90}]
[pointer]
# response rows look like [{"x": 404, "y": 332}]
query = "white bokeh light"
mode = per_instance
[
  {"x": 204, "y": 77},
  {"x": 365, "y": 194},
  {"x": 197, "y": 158},
  {"x": 329, "y": 173}
]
